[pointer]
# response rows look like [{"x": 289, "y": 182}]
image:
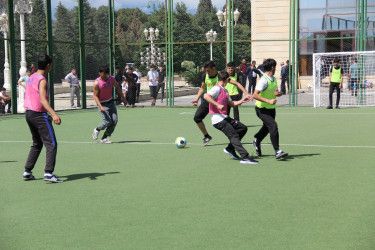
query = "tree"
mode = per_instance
[
  {"x": 66, "y": 55},
  {"x": 36, "y": 31}
]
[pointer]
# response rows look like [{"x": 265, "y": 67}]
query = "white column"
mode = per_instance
[
  {"x": 211, "y": 51},
  {"x": 22, "y": 71},
  {"x": 23, "y": 49},
  {"x": 6, "y": 64}
]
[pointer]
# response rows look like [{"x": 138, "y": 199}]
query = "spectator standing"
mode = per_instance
[
  {"x": 353, "y": 77},
  {"x": 131, "y": 80},
  {"x": 40, "y": 123},
  {"x": 32, "y": 69},
  {"x": 152, "y": 78},
  {"x": 124, "y": 88},
  {"x": 243, "y": 67},
  {"x": 5, "y": 100},
  {"x": 201, "y": 75},
  {"x": 284, "y": 77},
  {"x": 161, "y": 82},
  {"x": 139, "y": 74},
  {"x": 75, "y": 88},
  {"x": 22, "y": 81},
  {"x": 252, "y": 73},
  {"x": 119, "y": 79},
  {"x": 335, "y": 82}
]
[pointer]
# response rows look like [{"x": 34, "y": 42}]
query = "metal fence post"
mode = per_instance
[
  {"x": 12, "y": 57},
  {"x": 50, "y": 53},
  {"x": 82, "y": 52}
]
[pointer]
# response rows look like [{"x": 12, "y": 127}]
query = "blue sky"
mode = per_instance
[{"x": 142, "y": 4}]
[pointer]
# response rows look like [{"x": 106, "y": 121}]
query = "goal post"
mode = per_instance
[{"x": 358, "y": 86}]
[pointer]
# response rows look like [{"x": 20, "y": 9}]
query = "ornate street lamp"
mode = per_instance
[
  {"x": 152, "y": 55},
  {"x": 4, "y": 29},
  {"x": 222, "y": 17},
  {"x": 211, "y": 37}
]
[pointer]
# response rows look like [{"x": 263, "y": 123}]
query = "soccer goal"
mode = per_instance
[{"x": 358, "y": 87}]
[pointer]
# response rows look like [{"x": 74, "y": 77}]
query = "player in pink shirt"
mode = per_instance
[
  {"x": 103, "y": 96},
  {"x": 219, "y": 99},
  {"x": 40, "y": 123}
]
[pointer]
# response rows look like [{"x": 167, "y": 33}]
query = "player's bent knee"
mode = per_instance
[{"x": 197, "y": 119}]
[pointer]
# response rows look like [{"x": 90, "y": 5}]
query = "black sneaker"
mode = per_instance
[
  {"x": 206, "y": 140},
  {"x": 52, "y": 178},
  {"x": 231, "y": 153},
  {"x": 28, "y": 176},
  {"x": 329, "y": 107},
  {"x": 258, "y": 151},
  {"x": 280, "y": 154},
  {"x": 248, "y": 160}
]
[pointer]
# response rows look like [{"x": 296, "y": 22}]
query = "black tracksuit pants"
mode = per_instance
[
  {"x": 236, "y": 113},
  {"x": 332, "y": 87},
  {"x": 269, "y": 126},
  {"x": 40, "y": 124},
  {"x": 235, "y": 131}
]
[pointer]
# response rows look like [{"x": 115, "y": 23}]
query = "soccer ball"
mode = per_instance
[{"x": 180, "y": 142}]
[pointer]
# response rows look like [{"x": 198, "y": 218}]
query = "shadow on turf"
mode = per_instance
[
  {"x": 91, "y": 176},
  {"x": 130, "y": 141},
  {"x": 289, "y": 157},
  {"x": 253, "y": 126},
  {"x": 7, "y": 161}
]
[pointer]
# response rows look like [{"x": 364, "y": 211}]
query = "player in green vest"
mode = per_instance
[
  {"x": 265, "y": 107},
  {"x": 335, "y": 82},
  {"x": 210, "y": 80},
  {"x": 233, "y": 89}
]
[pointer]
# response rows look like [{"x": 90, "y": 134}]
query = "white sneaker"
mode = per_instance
[
  {"x": 95, "y": 134},
  {"x": 105, "y": 140}
]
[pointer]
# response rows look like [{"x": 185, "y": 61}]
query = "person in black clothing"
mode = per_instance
[
  {"x": 161, "y": 82},
  {"x": 1, "y": 80},
  {"x": 252, "y": 73},
  {"x": 131, "y": 79},
  {"x": 119, "y": 79},
  {"x": 285, "y": 77}
]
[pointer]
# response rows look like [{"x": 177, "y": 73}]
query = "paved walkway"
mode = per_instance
[{"x": 304, "y": 98}]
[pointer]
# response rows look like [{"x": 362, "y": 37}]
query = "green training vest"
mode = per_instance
[
  {"x": 336, "y": 75},
  {"x": 232, "y": 89},
  {"x": 210, "y": 82},
  {"x": 268, "y": 93}
]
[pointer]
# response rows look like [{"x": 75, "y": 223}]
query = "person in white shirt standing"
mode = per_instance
[
  {"x": 152, "y": 78},
  {"x": 75, "y": 88},
  {"x": 139, "y": 74}
]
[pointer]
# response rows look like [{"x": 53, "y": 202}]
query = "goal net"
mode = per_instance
[{"x": 358, "y": 86}]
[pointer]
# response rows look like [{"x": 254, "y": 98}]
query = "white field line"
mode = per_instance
[{"x": 200, "y": 144}]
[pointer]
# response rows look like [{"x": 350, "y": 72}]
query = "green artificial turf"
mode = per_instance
[{"x": 141, "y": 192}]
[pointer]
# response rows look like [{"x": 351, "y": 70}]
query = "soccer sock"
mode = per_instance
[
  {"x": 97, "y": 129},
  {"x": 207, "y": 136},
  {"x": 104, "y": 136}
]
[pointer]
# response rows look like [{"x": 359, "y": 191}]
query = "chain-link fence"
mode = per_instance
[{"x": 86, "y": 35}]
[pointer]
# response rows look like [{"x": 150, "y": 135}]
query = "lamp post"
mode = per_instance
[
  {"x": 152, "y": 55},
  {"x": 226, "y": 19},
  {"x": 222, "y": 17},
  {"x": 4, "y": 29},
  {"x": 211, "y": 37},
  {"x": 22, "y": 7}
]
